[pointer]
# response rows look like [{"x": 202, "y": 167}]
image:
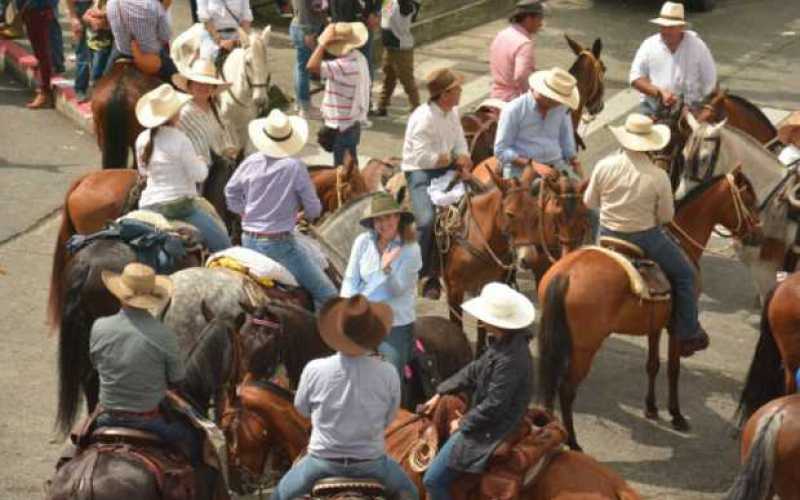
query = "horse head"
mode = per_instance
[
  {"x": 700, "y": 153},
  {"x": 590, "y": 72},
  {"x": 563, "y": 213},
  {"x": 713, "y": 107},
  {"x": 350, "y": 183},
  {"x": 262, "y": 341},
  {"x": 740, "y": 211},
  {"x": 516, "y": 219}
]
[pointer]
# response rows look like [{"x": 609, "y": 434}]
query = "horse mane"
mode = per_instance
[
  {"x": 208, "y": 363},
  {"x": 272, "y": 387},
  {"x": 753, "y": 109},
  {"x": 696, "y": 192}
]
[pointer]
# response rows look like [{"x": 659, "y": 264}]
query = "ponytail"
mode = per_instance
[{"x": 148, "y": 148}]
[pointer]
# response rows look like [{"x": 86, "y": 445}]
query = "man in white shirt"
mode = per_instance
[
  {"x": 672, "y": 63},
  {"x": 433, "y": 144}
]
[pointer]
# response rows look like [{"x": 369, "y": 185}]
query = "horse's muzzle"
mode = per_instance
[{"x": 526, "y": 256}]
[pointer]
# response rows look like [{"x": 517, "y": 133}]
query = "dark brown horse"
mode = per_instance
[
  {"x": 480, "y": 129},
  {"x": 586, "y": 296},
  {"x": 739, "y": 113},
  {"x": 770, "y": 453},
  {"x": 337, "y": 185},
  {"x": 590, "y": 72}
]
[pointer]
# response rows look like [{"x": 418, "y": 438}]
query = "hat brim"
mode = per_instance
[
  {"x": 182, "y": 82},
  {"x": 656, "y": 140},
  {"x": 668, "y": 23},
  {"x": 279, "y": 149},
  {"x": 457, "y": 82},
  {"x": 154, "y": 302},
  {"x": 149, "y": 119},
  {"x": 359, "y": 37},
  {"x": 537, "y": 82},
  {"x": 331, "y": 329},
  {"x": 524, "y": 312},
  {"x": 404, "y": 215}
]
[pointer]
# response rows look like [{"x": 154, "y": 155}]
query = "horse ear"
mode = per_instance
[
  {"x": 718, "y": 127},
  {"x": 348, "y": 163},
  {"x": 583, "y": 185},
  {"x": 400, "y": 195},
  {"x": 597, "y": 48},
  {"x": 692, "y": 121},
  {"x": 498, "y": 181},
  {"x": 575, "y": 46},
  {"x": 207, "y": 314},
  {"x": 552, "y": 182},
  {"x": 265, "y": 34}
]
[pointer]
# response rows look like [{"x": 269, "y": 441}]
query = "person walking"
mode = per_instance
[
  {"x": 511, "y": 54},
  {"x": 398, "y": 53},
  {"x": 37, "y": 16},
  {"x": 306, "y": 25}
]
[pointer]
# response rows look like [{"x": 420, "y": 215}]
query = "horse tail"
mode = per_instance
[
  {"x": 116, "y": 128},
  {"x": 765, "y": 379},
  {"x": 74, "y": 365},
  {"x": 555, "y": 344},
  {"x": 55, "y": 301},
  {"x": 754, "y": 481}
]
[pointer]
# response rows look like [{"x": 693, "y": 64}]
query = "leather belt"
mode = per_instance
[
  {"x": 269, "y": 236},
  {"x": 137, "y": 414},
  {"x": 347, "y": 461},
  {"x": 227, "y": 30}
]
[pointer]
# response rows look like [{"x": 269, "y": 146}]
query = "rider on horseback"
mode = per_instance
[
  {"x": 222, "y": 20},
  {"x": 635, "y": 199},
  {"x": 350, "y": 397}
]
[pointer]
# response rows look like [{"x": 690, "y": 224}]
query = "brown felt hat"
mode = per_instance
[
  {"x": 384, "y": 204},
  {"x": 441, "y": 80},
  {"x": 354, "y": 326}
]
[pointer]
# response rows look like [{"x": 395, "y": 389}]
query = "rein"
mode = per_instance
[
  {"x": 340, "y": 185},
  {"x": 248, "y": 67}
]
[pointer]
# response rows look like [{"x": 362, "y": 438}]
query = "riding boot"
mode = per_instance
[{"x": 691, "y": 345}]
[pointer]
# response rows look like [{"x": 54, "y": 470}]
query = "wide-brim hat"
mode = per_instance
[
  {"x": 672, "y": 14},
  {"x": 558, "y": 85},
  {"x": 201, "y": 71},
  {"x": 139, "y": 286},
  {"x": 501, "y": 306},
  {"x": 441, "y": 80},
  {"x": 789, "y": 131},
  {"x": 349, "y": 36},
  {"x": 159, "y": 105},
  {"x": 279, "y": 135},
  {"x": 354, "y": 326},
  {"x": 531, "y": 7},
  {"x": 384, "y": 204},
  {"x": 640, "y": 134}
]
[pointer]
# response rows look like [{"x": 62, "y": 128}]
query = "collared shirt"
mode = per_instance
[
  {"x": 203, "y": 129},
  {"x": 631, "y": 192},
  {"x": 351, "y": 401},
  {"x": 270, "y": 191},
  {"x": 689, "y": 71},
  {"x": 346, "y": 98},
  {"x": 398, "y": 289},
  {"x": 220, "y": 17},
  {"x": 511, "y": 61},
  {"x": 429, "y": 133},
  {"x": 789, "y": 155},
  {"x": 145, "y": 21},
  {"x": 136, "y": 356},
  {"x": 174, "y": 169},
  {"x": 522, "y": 131}
]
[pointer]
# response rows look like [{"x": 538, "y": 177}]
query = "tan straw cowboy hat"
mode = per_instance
[
  {"x": 789, "y": 131},
  {"x": 349, "y": 36},
  {"x": 671, "y": 15},
  {"x": 441, "y": 80},
  {"x": 501, "y": 306},
  {"x": 354, "y": 326},
  {"x": 279, "y": 135},
  {"x": 159, "y": 105},
  {"x": 640, "y": 134},
  {"x": 558, "y": 85},
  {"x": 201, "y": 71},
  {"x": 384, "y": 204},
  {"x": 138, "y": 286}
]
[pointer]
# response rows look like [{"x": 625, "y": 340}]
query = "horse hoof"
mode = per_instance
[
  {"x": 651, "y": 414},
  {"x": 680, "y": 424}
]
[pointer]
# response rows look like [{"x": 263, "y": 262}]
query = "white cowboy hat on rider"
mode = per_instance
[
  {"x": 159, "y": 105},
  {"x": 140, "y": 287},
  {"x": 671, "y": 15},
  {"x": 348, "y": 36},
  {"x": 501, "y": 306},
  {"x": 279, "y": 135},
  {"x": 557, "y": 85},
  {"x": 201, "y": 71},
  {"x": 640, "y": 134}
]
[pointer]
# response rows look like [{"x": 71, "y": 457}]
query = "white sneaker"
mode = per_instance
[
  {"x": 366, "y": 124},
  {"x": 310, "y": 113}
]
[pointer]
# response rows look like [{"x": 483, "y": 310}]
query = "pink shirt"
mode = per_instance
[{"x": 511, "y": 61}]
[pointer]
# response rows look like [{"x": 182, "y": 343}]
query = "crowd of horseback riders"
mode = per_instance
[{"x": 469, "y": 223}]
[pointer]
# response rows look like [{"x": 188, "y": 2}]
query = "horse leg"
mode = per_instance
[
  {"x": 579, "y": 365},
  {"x": 653, "y": 365},
  {"x": 679, "y": 423}
]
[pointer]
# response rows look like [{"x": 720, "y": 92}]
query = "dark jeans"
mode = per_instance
[
  {"x": 83, "y": 56},
  {"x": 396, "y": 347},
  {"x": 424, "y": 212},
  {"x": 37, "y": 24},
  {"x": 176, "y": 433},
  {"x": 193, "y": 8},
  {"x": 681, "y": 274},
  {"x": 346, "y": 140},
  {"x": 56, "y": 37},
  {"x": 440, "y": 477},
  {"x": 167, "y": 65}
]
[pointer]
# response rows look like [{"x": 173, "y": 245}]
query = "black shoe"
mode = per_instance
[
  {"x": 378, "y": 112},
  {"x": 693, "y": 344}
]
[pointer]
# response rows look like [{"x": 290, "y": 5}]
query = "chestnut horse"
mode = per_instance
[
  {"x": 770, "y": 453},
  {"x": 739, "y": 113},
  {"x": 586, "y": 296}
]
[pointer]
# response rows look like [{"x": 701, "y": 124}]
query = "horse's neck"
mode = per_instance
[
  {"x": 234, "y": 71},
  {"x": 740, "y": 116},
  {"x": 697, "y": 219},
  {"x": 489, "y": 205},
  {"x": 759, "y": 165}
]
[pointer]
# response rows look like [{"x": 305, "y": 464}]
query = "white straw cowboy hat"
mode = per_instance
[
  {"x": 501, "y": 306},
  {"x": 201, "y": 71},
  {"x": 349, "y": 36},
  {"x": 140, "y": 287},
  {"x": 640, "y": 134},
  {"x": 558, "y": 85},
  {"x": 671, "y": 15},
  {"x": 354, "y": 326},
  {"x": 279, "y": 135},
  {"x": 159, "y": 105}
]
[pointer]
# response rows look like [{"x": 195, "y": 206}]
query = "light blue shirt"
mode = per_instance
[
  {"x": 398, "y": 289},
  {"x": 523, "y": 132},
  {"x": 351, "y": 401}
]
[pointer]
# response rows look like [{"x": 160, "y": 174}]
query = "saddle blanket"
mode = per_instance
[
  {"x": 256, "y": 265},
  {"x": 440, "y": 194}
]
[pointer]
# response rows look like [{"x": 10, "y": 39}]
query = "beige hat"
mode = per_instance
[
  {"x": 671, "y": 15},
  {"x": 441, "y": 80},
  {"x": 501, "y": 306},
  {"x": 201, "y": 71},
  {"x": 159, "y": 105},
  {"x": 279, "y": 135},
  {"x": 138, "y": 286},
  {"x": 789, "y": 131},
  {"x": 354, "y": 326},
  {"x": 349, "y": 36},
  {"x": 639, "y": 134},
  {"x": 558, "y": 85}
]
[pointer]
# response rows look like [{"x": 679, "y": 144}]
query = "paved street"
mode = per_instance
[{"x": 755, "y": 43}]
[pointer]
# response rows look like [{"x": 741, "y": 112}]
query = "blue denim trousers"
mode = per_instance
[
  {"x": 291, "y": 254},
  {"x": 215, "y": 237},
  {"x": 440, "y": 477},
  {"x": 177, "y": 432},
  {"x": 302, "y": 90},
  {"x": 418, "y": 182},
  {"x": 396, "y": 347},
  {"x": 679, "y": 270},
  {"x": 164, "y": 73},
  {"x": 83, "y": 56},
  {"x": 346, "y": 140},
  {"x": 99, "y": 63},
  {"x": 304, "y": 474}
]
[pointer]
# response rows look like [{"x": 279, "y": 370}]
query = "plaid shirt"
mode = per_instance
[{"x": 145, "y": 21}]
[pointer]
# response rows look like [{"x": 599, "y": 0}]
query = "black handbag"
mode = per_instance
[{"x": 326, "y": 137}]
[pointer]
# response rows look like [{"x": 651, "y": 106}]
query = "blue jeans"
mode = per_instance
[
  {"x": 366, "y": 49},
  {"x": 440, "y": 477},
  {"x": 668, "y": 255},
  {"x": 294, "y": 257},
  {"x": 56, "y": 43},
  {"x": 346, "y": 140},
  {"x": 396, "y": 347},
  {"x": 99, "y": 62},
  {"x": 176, "y": 432},
  {"x": 424, "y": 212},
  {"x": 83, "y": 57},
  {"x": 164, "y": 73},
  {"x": 302, "y": 90},
  {"x": 215, "y": 237},
  {"x": 304, "y": 474}
]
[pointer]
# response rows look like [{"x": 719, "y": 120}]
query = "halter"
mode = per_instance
[
  {"x": 250, "y": 480},
  {"x": 542, "y": 205},
  {"x": 597, "y": 84},
  {"x": 248, "y": 68},
  {"x": 694, "y": 160}
]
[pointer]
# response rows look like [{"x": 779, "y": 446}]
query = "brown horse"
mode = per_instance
[
  {"x": 480, "y": 129},
  {"x": 336, "y": 186},
  {"x": 770, "y": 453},
  {"x": 739, "y": 113},
  {"x": 590, "y": 72},
  {"x": 586, "y": 296}
]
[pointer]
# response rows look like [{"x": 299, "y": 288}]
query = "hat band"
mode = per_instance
[
  {"x": 671, "y": 18},
  {"x": 547, "y": 84},
  {"x": 276, "y": 138},
  {"x": 637, "y": 132}
]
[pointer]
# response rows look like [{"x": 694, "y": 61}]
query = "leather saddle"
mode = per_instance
[
  {"x": 347, "y": 487},
  {"x": 648, "y": 281}
]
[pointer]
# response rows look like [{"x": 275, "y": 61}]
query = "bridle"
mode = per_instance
[
  {"x": 232, "y": 418},
  {"x": 543, "y": 200},
  {"x": 248, "y": 69},
  {"x": 693, "y": 161},
  {"x": 596, "y": 90}
]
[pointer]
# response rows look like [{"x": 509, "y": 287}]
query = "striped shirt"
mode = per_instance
[
  {"x": 341, "y": 84},
  {"x": 203, "y": 129},
  {"x": 145, "y": 21}
]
